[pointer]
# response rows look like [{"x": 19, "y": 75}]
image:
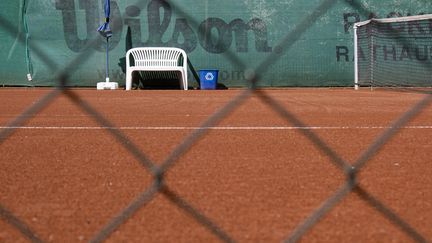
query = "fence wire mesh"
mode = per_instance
[{"x": 159, "y": 171}]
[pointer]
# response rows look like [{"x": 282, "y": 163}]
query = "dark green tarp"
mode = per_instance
[{"x": 319, "y": 54}]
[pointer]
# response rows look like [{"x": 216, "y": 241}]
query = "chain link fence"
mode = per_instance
[{"x": 351, "y": 170}]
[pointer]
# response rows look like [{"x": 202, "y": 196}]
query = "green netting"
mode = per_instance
[
  {"x": 395, "y": 53},
  {"x": 250, "y": 29}
]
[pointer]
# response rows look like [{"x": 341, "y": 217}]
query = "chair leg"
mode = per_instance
[
  {"x": 128, "y": 80},
  {"x": 184, "y": 81}
]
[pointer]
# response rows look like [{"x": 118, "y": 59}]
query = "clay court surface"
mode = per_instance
[{"x": 254, "y": 175}]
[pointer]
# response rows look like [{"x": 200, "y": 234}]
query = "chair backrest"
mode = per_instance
[{"x": 157, "y": 57}]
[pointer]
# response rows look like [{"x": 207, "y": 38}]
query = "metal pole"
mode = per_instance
[
  {"x": 107, "y": 63},
  {"x": 356, "y": 85}
]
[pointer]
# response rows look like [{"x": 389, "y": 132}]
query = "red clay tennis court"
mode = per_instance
[{"x": 252, "y": 169}]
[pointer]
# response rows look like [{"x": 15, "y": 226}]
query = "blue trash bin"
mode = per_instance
[{"x": 208, "y": 78}]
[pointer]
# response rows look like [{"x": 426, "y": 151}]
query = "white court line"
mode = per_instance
[{"x": 212, "y": 128}]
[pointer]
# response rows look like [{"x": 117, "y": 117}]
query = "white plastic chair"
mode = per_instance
[{"x": 157, "y": 59}]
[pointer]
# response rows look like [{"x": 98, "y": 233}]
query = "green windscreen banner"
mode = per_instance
[{"x": 289, "y": 43}]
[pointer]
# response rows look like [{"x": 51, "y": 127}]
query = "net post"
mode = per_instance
[{"x": 356, "y": 85}]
